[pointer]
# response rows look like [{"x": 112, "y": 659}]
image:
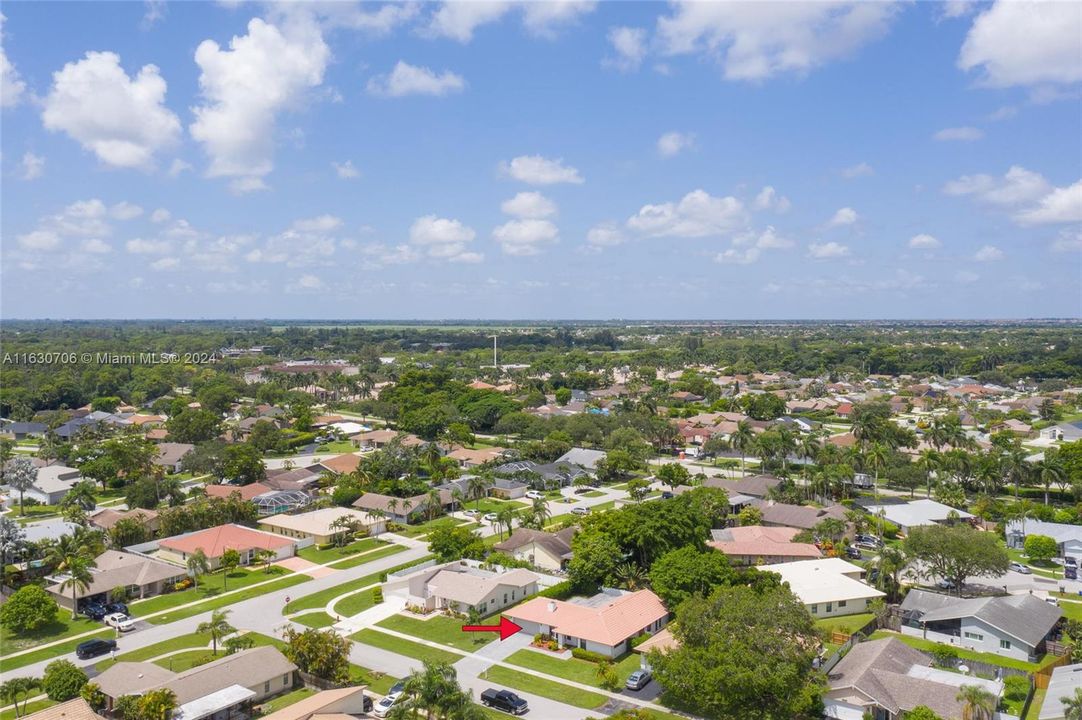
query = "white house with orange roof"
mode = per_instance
[{"x": 216, "y": 540}]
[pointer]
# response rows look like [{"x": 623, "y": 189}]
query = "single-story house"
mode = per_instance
[
  {"x": 550, "y": 475},
  {"x": 508, "y": 489},
  {"x": 1067, "y": 432},
  {"x": 1067, "y": 537},
  {"x": 467, "y": 458},
  {"x": 143, "y": 577},
  {"x": 884, "y": 679},
  {"x": 107, "y": 518},
  {"x": 756, "y": 485},
  {"x": 1065, "y": 681},
  {"x": 246, "y": 492},
  {"x": 49, "y": 530},
  {"x": 170, "y": 454},
  {"x": 23, "y": 430},
  {"x": 376, "y": 439},
  {"x": 605, "y": 623},
  {"x": 917, "y": 513},
  {"x": 216, "y": 540},
  {"x": 458, "y": 587},
  {"x": 755, "y": 544},
  {"x": 342, "y": 464},
  {"x": 400, "y": 509},
  {"x": 52, "y": 484},
  {"x": 544, "y": 550},
  {"x": 801, "y": 517},
  {"x": 76, "y": 709},
  {"x": 318, "y": 524},
  {"x": 214, "y": 690},
  {"x": 336, "y": 704},
  {"x": 1014, "y": 626},
  {"x": 829, "y": 587},
  {"x": 583, "y": 457}
]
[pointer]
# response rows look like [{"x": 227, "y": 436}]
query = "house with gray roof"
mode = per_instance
[
  {"x": 918, "y": 513},
  {"x": 583, "y": 457},
  {"x": 53, "y": 483},
  {"x": 1068, "y": 537},
  {"x": 549, "y": 475},
  {"x": 1014, "y": 626},
  {"x": 755, "y": 485},
  {"x": 886, "y": 678},
  {"x": 544, "y": 550}
]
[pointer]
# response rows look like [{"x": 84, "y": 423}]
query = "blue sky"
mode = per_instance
[{"x": 542, "y": 160}]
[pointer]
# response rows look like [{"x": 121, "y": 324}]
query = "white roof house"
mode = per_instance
[
  {"x": 52, "y": 483},
  {"x": 1066, "y": 679},
  {"x": 318, "y": 524},
  {"x": 917, "y": 513},
  {"x": 829, "y": 587},
  {"x": 583, "y": 457}
]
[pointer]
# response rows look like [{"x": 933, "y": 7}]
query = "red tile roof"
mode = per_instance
[
  {"x": 623, "y": 618},
  {"x": 217, "y": 540}
]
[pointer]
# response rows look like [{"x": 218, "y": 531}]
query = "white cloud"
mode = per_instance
[
  {"x": 538, "y": 170},
  {"x": 245, "y": 185},
  {"x": 844, "y": 216},
  {"x": 966, "y": 277},
  {"x": 673, "y": 143},
  {"x": 924, "y": 242},
  {"x": 153, "y": 12},
  {"x": 355, "y": 16},
  {"x": 319, "y": 224},
  {"x": 606, "y": 234},
  {"x": 125, "y": 210},
  {"x": 122, "y": 120},
  {"x": 748, "y": 247},
  {"x": 629, "y": 45},
  {"x": 1025, "y": 43},
  {"x": 1068, "y": 241},
  {"x": 378, "y": 254},
  {"x": 95, "y": 246},
  {"x": 831, "y": 249},
  {"x": 529, "y": 205},
  {"x": 33, "y": 166},
  {"x": 165, "y": 263},
  {"x": 12, "y": 86},
  {"x": 1059, "y": 206},
  {"x": 988, "y": 253},
  {"x": 346, "y": 171},
  {"x": 542, "y": 18},
  {"x": 862, "y": 169},
  {"x": 768, "y": 199},
  {"x": 308, "y": 282},
  {"x": 443, "y": 238},
  {"x": 753, "y": 41},
  {"x": 139, "y": 246},
  {"x": 160, "y": 215},
  {"x": 1004, "y": 113},
  {"x": 178, "y": 166},
  {"x": 1017, "y": 187},
  {"x": 406, "y": 79},
  {"x": 698, "y": 214},
  {"x": 40, "y": 240},
  {"x": 525, "y": 237},
  {"x": 245, "y": 87},
  {"x": 963, "y": 134},
  {"x": 458, "y": 20},
  {"x": 738, "y": 256}
]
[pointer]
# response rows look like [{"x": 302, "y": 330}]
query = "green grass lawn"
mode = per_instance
[
  {"x": 338, "y": 446},
  {"x": 963, "y": 653},
  {"x": 355, "y": 603},
  {"x": 377, "y": 682},
  {"x": 580, "y": 671},
  {"x": 1044, "y": 568},
  {"x": 45, "y": 653},
  {"x": 32, "y": 707},
  {"x": 188, "y": 659},
  {"x": 210, "y": 586},
  {"x": 427, "y": 527},
  {"x": 846, "y": 624},
  {"x": 315, "y": 620},
  {"x": 603, "y": 506},
  {"x": 321, "y": 557},
  {"x": 442, "y": 629},
  {"x": 545, "y": 688},
  {"x": 180, "y": 642},
  {"x": 404, "y": 647},
  {"x": 59, "y": 629},
  {"x": 593, "y": 494},
  {"x": 493, "y": 505},
  {"x": 371, "y": 555},
  {"x": 318, "y": 600},
  {"x": 215, "y": 603},
  {"x": 1035, "y": 704},
  {"x": 283, "y": 701}
]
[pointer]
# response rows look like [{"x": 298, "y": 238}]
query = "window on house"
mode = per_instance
[
  {"x": 505, "y": 598},
  {"x": 814, "y": 609},
  {"x": 841, "y": 603},
  {"x": 830, "y": 607},
  {"x": 266, "y": 687},
  {"x": 285, "y": 679},
  {"x": 1005, "y": 644},
  {"x": 974, "y": 636}
]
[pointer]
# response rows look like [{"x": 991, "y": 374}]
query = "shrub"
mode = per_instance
[
  {"x": 377, "y": 595},
  {"x": 62, "y": 681},
  {"x": 559, "y": 591},
  {"x": 639, "y": 639},
  {"x": 607, "y": 677},
  {"x": 1015, "y": 687},
  {"x": 589, "y": 655},
  {"x": 944, "y": 655},
  {"x": 28, "y": 608},
  {"x": 325, "y": 546}
]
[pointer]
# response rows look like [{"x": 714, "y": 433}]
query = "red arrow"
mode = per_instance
[{"x": 506, "y": 628}]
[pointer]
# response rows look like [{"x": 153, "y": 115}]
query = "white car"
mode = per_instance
[
  {"x": 471, "y": 512},
  {"x": 120, "y": 621},
  {"x": 580, "y": 511},
  {"x": 490, "y": 517},
  {"x": 535, "y": 494},
  {"x": 383, "y": 707}
]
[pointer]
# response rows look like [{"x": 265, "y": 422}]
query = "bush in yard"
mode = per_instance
[
  {"x": 944, "y": 655},
  {"x": 28, "y": 608},
  {"x": 377, "y": 595},
  {"x": 323, "y": 653},
  {"x": 93, "y": 695},
  {"x": 1015, "y": 687},
  {"x": 640, "y": 639},
  {"x": 607, "y": 677},
  {"x": 62, "y": 681},
  {"x": 1041, "y": 548},
  {"x": 588, "y": 655}
]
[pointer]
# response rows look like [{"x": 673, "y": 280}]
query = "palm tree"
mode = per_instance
[
  {"x": 890, "y": 563},
  {"x": 505, "y": 518},
  {"x": 742, "y": 440},
  {"x": 476, "y": 487},
  {"x": 12, "y": 689},
  {"x": 379, "y": 514},
  {"x": 78, "y": 578},
  {"x": 1072, "y": 705},
  {"x": 977, "y": 703},
  {"x": 631, "y": 576},
  {"x": 392, "y": 505},
  {"x": 433, "y": 504},
  {"x": 21, "y": 476},
  {"x": 82, "y": 494},
  {"x": 930, "y": 461},
  {"x": 217, "y": 627},
  {"x": 540, "y": 511},
  {"x": 808, "y": 448},
  {"x": 1047, "y": 471},
  {"x": 198, "y": 564},
  {"x": 457, "y": 498}
]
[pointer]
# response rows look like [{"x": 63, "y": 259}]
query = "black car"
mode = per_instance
[
  {"x": 853, "y": 553},
  {"x": 93, "y": 648},
  {"x": 95, "y": 610},
  {"x": 504, "y": 700},
  {"x": 116, "y": 607}
]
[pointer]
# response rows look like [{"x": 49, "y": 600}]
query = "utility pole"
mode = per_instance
[{"x": 494, "y": 363}]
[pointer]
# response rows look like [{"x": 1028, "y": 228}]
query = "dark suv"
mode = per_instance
[
  {"x": 93, "y": 648},
  {"x": 504, "y": 700},
  {"x": 94, "y": 610}
]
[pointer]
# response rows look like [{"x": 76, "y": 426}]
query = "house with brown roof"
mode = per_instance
[
  {"x": 170, "y": 454},
  {"x": 246, "y": 492},
  {"x": 320, "y": 525},
  {"x": 756, "y": 545},
  {"x": 396, "y": 508},
  {"x": 216, "y": 540},
  {"x": 801, "y": 517},
  {"x": 336, "y": 704},
  {"x": 544, "y": 550},
  {"x": 142, "y": 576},
  {"x": 77, "y": 709},
  {"x": 376, "y": 439},
  {"x": 107, "y": 518},
  {"x": 460, "y": 587},
  {"x": 341, "y": 464},
  {"x": 756, "y": 486},
  {"x": 468, "y": 458},
  {"x": 605, "y": 623}
]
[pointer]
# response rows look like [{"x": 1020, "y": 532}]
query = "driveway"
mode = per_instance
[{"x": 309, "y": 568}]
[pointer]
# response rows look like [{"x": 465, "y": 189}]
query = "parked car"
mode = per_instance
[
  {"x": 869, "y": 540},
  {"x": 580, "y": 511},
  {"x": 504, "y": 700},
  {"x": 853, "y": 552},
  {"x": 396, "y": 689},
  {"x": 117, "y": 607},
  {"x": 1020, "y": 568},
  {"x": 535, "y": 495},
  {"x": 1070, "y": 572},
  {"x": 945, "y": 584},
  {"x": 667, "y": 495},
  {"x": 1070, "y": 561},
  {"x": 490, "y": 517},
  {"x": 638, "y": 680},
  {"x": 93, "y": 648},
  {"x": 471, "y": 512},
  {"x": 120, "y": 621},
  {"x": 95, "y": 610},
  {"x": 383, "y": 707}
]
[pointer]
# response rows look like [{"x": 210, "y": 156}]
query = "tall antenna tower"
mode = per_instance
[{"x": 494, "y": 363}]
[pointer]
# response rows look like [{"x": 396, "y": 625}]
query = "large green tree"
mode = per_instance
[
  {"x": 956, "y": 552},
  {"x": 323, "y": 653},
  {"x": 62, "y": 681},
  {"x": 679, "y": 574},
  {"x": 27, "y": 609}
]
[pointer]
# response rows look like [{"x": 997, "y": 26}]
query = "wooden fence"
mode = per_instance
[{"x": 1042, "y": 677}]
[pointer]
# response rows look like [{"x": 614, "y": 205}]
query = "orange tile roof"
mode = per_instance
[
  {"x": 247, "y": 492},
  {"x": 346, "y": 463},
  {"x": 217, "y": 540},
  {"x": 759, "y": 541},
  {"x": 625, "y": 617}
]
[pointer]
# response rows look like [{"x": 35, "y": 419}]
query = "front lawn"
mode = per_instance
[
  {"x": 369, "y": 556},
  {"x": 46, "y": 653},
  {"x": 283, "y": 701},
  {"x": 430, "y": 525},
  {"x": 593, "y": 494},
  {"x": 60, "y": 628},
  {"x": 180, "y": 642},
  {"x": 847, "y": 624},
  {"x": 317, "y": 619},
  {"x": 355, "y": 603},
  {"x": 319, "y": 600},
  {"x": 545, "y": 688},
  {"x": 580, "y": 671},
  {"x": 215, "y": 603},
  {"x": 407, "y": 648},
  {"x": 492, "y": 505},
  {"x": 188, "y": 659},
  {"x": 442, "y": 629},
  {"x": 963, "y": 653},
  {"x": 321, "y": 557},
  {"x": 209, "y": 586}
]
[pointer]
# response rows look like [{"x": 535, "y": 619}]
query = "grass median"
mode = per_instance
[
  {"x": 545, "y": 688},
  {"x": 318, "y": 600},
  {"x": 441, "y": 629},
  {"x": 408, "y": 648},
  {"x": 580, "y": 671}
]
